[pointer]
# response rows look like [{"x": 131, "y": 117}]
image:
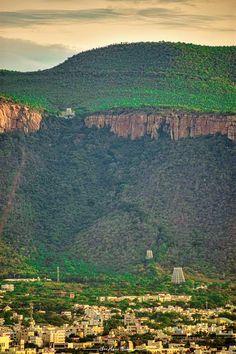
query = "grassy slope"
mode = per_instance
[
  {"x": 88, "y": 196},
  {"x": 135, "y": 75}
]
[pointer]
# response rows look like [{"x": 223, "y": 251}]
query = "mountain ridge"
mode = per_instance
[
  {"x": 133, "y": 76},
  {"x": 127, "y": 123},
  {"x": 178, "y": 124}
]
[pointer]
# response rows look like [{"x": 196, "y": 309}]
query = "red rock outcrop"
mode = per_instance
[
  {"x": 14, "y": 116},
  {"x": 177, "y": 124}
]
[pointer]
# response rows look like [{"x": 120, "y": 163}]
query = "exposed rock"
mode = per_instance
[
  {"x": 14, "y": 116},
  {"x": 177, "y": 124}
]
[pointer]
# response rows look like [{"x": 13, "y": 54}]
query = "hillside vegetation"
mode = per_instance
[
  {"x": 88, "y": 200},
  {"x": 131, "y": 76}
]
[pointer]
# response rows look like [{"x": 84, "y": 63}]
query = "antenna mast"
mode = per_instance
[{"x": 58, "y": 274}]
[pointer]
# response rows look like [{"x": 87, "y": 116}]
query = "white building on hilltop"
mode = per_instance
[{"x": 67, "y": 114}]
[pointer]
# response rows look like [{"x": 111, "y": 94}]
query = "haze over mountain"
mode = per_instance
[
  {"x": 77, "y": 194},
  {"x": 39, "y": 33}
]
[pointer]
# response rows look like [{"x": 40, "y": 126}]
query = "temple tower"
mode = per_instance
[
  {"x": 149, "y": 255},
  {"x": 178, "y": 276}
]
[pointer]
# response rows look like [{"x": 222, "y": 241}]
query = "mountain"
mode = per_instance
[
  {"x": 133, "y": 76},
  {"x": 96, "y": 199}
]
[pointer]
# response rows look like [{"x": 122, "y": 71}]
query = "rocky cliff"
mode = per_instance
[
  {"x": 14, "y": 116},
  {"x": 177, "y": 124}
]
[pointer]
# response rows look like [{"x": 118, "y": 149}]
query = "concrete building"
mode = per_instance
[
  {"x": 4, "y": 343},
  {"x": 54, "y": 336}
]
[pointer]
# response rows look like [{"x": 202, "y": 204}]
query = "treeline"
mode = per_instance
[{"x": 133, "y": 75}]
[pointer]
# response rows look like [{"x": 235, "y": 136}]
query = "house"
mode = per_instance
[{"x": 4, "y": 343}]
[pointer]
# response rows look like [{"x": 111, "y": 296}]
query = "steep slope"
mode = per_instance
[
  {"x": 82, "y": 197},
  {"x": 15, "y": 116},
  {"x": 12, "y": 193},
  {"x": 87, "y": 196},
  {"x": 178, "y": 124},
  {"x": 132, "y": 76}
]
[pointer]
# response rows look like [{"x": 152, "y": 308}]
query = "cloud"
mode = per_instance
[
  {"x": 152, "y": 1},
  {"x": 44, "y": 17},
  {"x": 164, "y": 16},
  {"x": 17, "y": 54},
  {"x": 171, "y": 18},
  {"x": 175, "y": 1}
]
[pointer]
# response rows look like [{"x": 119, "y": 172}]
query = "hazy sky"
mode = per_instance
[{"x": 36, "y": 34}]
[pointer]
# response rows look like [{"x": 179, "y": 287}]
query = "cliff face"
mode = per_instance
[
  {"x": 14, "y": 116},
  {"x": 177, "y": 124}
]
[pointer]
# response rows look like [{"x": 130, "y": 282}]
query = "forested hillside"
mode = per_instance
[
  {"x": 87, "y": 197},
  {"x": 87, "y": 200},
  {"x": 132, "y": 76}
]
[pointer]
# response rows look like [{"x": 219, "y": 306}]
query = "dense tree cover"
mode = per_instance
[
  {"x": 49, "y": 299},
  {"x": 89, "y": 201},
  {"x": 132, "y": 75}
]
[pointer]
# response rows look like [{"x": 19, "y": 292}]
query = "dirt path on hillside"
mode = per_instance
[{"x": 12, "y": 194}]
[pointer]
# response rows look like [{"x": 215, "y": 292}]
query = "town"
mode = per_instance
[{"x": 152, "y": 322}]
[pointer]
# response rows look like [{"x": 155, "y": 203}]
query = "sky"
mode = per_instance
[{"x": 38, "y": 34}]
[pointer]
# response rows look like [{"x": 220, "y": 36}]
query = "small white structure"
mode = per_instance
[
  {"x": 67, "y": 114},
  {"x": 149, "y": 254},
  {"x": 8, "y": 287},
  {"x": 22, "y": 280},
  {"x": 178, "y": 276}
]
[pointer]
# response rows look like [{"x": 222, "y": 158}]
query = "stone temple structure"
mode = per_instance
[
  {"x": 149, "y": 254},
  {"x": 178, "y": 276}
]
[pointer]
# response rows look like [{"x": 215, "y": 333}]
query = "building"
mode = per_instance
[
  {"x": 149, "y": 255},
  {"x": 8, "y": 287},
  {"x": 178, "y": 276},
  {"x": 67, "y": 114},
  {"x": 4, "y": 343},
  {"x": 54, "y": 336}
]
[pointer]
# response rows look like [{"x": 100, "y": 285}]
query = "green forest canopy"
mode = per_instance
[{"x": 134, "y": 75}]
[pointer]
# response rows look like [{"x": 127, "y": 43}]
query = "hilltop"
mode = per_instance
[{"x": 135, "y": 75}]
